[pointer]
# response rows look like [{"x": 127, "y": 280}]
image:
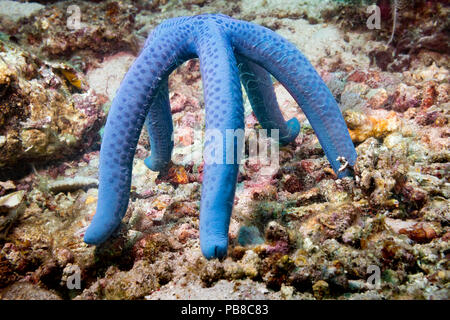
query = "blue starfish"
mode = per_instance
[{"x": 222, "y": 44}]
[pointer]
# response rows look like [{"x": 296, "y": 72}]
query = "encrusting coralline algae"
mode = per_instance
[{"x": 296, "y": 233}]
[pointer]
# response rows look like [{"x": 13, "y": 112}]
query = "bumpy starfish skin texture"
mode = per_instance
[{"x": 230, "y": 51}]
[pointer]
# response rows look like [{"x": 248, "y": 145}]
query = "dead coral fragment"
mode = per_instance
[
  {"x": 320, "y": 289},
  {"x": 141, "y": 280},
  {"x": 11, "y": 201},
  {"x": 71, "y": 184},
  {"x": 362, "y": 127},
  {"x": 178, "y": 175},
  {"x": 11, "y": 206},
  {"x": 420, "y": 233}
]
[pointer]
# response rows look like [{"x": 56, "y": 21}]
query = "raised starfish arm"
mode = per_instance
[
  {"x": 260, "y": 92},
  {"x": 162, "y": 54},
  {"x": 160, "y": 129},
  {"x": 289, "y": 66}
]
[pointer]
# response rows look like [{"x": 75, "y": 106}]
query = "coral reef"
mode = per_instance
[
  {"x": 407, "y": 27},
  {"x": 296, "y": 231},
  {"x": 80, "y": 29},
  {"x": 43, "y": 115}
]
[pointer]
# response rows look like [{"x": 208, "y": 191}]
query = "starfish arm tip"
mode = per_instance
[
  {"x": 214, "y": 248},
  {"x": 155, "y": 164},
  {"x": 293, "y": 131},
  {"x": 92, "y": 237}
]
